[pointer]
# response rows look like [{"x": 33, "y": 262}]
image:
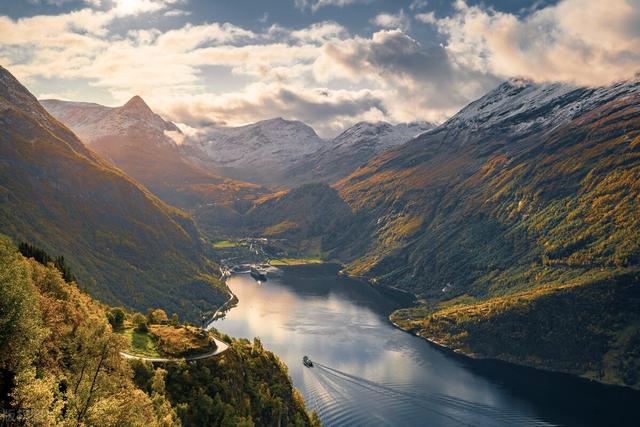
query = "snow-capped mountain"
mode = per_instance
[
  {"x": 379, "y": 136},
  {"x": 353, "y": 147},
  {"x": 525, "y": 170},
  {"x": 258, "y": 151},
  {"x": 138, "y": 141},
  {"x": 273, "y": 143},
  {"x": 93, "y": 122},
  {"x": 279, "y": 151},
  {"x": 519, "y": 107}
]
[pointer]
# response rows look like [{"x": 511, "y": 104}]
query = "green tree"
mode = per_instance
[
  {"x": 40, "y": 255},
  {"x": 20, "y": 322},
  {"x": 140, "y": 322},
  {"x": 116, "y": 317}
]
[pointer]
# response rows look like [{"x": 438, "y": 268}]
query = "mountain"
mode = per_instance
[
  {"x": 516, "y": 223},
  {"x": 145, "y": 147},
  {"x": 93, "y": 122},
  {"x": 136, "y": 140},
  {"x": 495, "y": 161},
  {"x": 352, "y": 148},
  {"x": 305, "y": 217},
  {"x": 125, "y": 245},
  {"x": 259, "y": 152},
  {"x": 509, "y": 216}
]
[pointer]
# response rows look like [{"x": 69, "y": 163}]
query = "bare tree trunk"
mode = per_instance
[
  {"x": 84, "y": 365},
  {"x": 103, "y": 356}
]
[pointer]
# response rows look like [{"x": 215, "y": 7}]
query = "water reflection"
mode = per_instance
[{"x": 369, "y": 373}]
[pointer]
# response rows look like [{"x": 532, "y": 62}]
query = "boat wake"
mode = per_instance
[{"x": 332, "y": 392}]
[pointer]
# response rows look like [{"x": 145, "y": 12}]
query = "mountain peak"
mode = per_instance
[
  {"x": 136, "y": 103},
  {"x": 277, "y": 121}
]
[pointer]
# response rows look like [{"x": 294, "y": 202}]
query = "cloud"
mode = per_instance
[
  {"x": 95, "y": 3},
  {"x": 418, "y": 4},
  {"x": 314, "y": 6},
  {"x": 136, "y": 7},
  {"x": 177, "y": 12},
  {"x": 50, "y": 30},
  {"x": 392, "y": 21},
  {"x": 175, "y": 136},
  {"x": 320, "y": 32},
  {"x": 329, "y": 111},
  {"x": 217, "y": 72},
  {"x": 427, "y": 18},
  {"x": 421, "y": 82},
  {"x": 586, "y": 42},
  {"x": 320, "y": 74}
]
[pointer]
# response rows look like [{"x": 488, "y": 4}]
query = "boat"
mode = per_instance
[
  {"x": 258, "y": 275},
  {"x": 307, "y": 362}
]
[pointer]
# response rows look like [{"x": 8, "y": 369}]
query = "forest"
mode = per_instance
[{"x": 61, "y": 364}]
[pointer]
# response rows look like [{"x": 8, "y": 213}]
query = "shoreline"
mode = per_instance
[
  {"x": 223, "y": 308},
  {"x": 438, "y": 345},
  {"x": 479, "y": 358}
]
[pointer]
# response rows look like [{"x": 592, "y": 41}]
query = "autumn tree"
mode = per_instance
[
  {"x": 157, "y": 316},
  {"x": 174, "y": 320}
]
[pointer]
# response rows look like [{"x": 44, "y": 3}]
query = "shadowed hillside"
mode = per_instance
[{"x": 125, "y": 245}]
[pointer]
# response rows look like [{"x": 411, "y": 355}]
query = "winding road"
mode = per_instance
[{"x": 221, "y": 347}]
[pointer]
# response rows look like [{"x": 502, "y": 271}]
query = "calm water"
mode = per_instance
[{"x": 369, "y": 373}]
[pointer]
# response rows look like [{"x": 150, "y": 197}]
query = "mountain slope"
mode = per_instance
[
  {"x": 259, "y": 152},
  {"x": 136, "y": 140},
  {"x": 485, "y": 179},
  {"x": 305, "y": 217},
  {"x": 352, "y": 148},
  {"x": 126, "y": 246},
  {"x": 531, "y": 186},
  {"x": 143, "y": 145}
]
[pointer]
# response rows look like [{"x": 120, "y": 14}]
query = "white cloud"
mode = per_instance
[
  {"x": 320, "y": 32},
  {"x": 427, "y": 18},
  {"x": 175, "y": 136},
  {"x": 95, "y": 3},
  {"x": 418, "y": 4},
  {"x": 136, "y": 7},
  {"x": 177, "y": 12},
  {"x": 314, "y": 6},
  {"x": 586, "y": 42},
  {"x": 392, "y": 20},
  {"x": 321, "y": 73},
  {"x": 328, "y": 111},
  {"x": 420, "y": 82}
]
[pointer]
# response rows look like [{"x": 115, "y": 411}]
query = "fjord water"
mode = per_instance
[{"x": 367, "y": 372}]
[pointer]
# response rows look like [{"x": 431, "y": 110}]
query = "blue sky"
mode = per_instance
[{"x": 329, "y": 63}]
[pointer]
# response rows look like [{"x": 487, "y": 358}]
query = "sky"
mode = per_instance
[{"x": 329, "y": 63}]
